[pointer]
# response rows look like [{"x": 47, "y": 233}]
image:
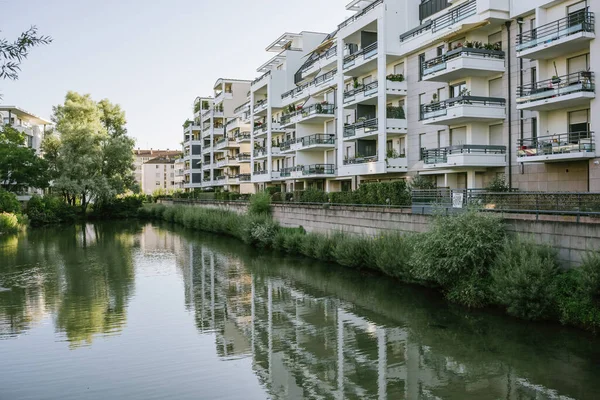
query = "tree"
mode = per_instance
[
  {"x": 13, "y": 53},
  {"x": 91, "y": 155},
  {"x": 20, "y": 166}
]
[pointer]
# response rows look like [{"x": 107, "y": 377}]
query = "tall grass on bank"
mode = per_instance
[
  {"x": 469, "y": 257},
  {"x": 9, "y": 223}
]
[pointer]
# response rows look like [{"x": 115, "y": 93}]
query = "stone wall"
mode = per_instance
[{"x": 571, "y": 237}]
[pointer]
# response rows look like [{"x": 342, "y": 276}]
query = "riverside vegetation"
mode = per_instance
[{"x": 469, "y": 257}]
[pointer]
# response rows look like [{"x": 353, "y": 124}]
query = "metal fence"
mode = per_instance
[{"x": 538, "y": 203}]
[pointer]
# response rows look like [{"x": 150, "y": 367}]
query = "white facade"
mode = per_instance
[
  {"x": 29, "y": 124},
  {"x": 159, "y": 174}
]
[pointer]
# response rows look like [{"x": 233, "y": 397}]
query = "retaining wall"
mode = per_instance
[{"x": 572, "y": 237}]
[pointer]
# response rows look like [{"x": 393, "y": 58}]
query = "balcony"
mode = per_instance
[
  {"x": 463, "y": 109},
  {"x": 361, "y": 60},
  {"x": 314, "y": 171},
  {"x": 360, "y": 160},
  {"x": 233, "y": 124},
  {"x": 244, "y": 178},
  {"x": 465, "y": 155},
  {"x": 242, "y": 137},
  {"x": 260, "y": 81},
  {"x": 226, "y": 162},
  {"x": 361, "y": 129},
  {"x": 259, "y": 129},
  {"x": 260, "y": 107},
  {"x": 463, "y": 62},
  {"x": 366, "y": 94},
  {"x": 243, "y": 157},
  {"x": 242, "y": 108},
  {"x": 360, "y": 14},
  {"x": 226, "y": 143},
  {"x": 319, "y": 141},
  {"x": 443, "y": 22},
  {"x": 364, "y": 165},
  {"x": 396, "y": 85},
  {"x": 227, "y": 94},
  {"x": 260, "y": 152},
  {"x": 560, "y": 147},
  {"x": 314, "y": 113},
  {"x": 264, "y": 176},
  {"x": 562, "y": 92},
  {"x": 396, "y": 162},
  {"x": 564, "y": 36},
  {"x": 315, "y": 64}
]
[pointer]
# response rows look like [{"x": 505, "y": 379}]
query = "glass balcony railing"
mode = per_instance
[
  {"x": 318, "y": 169},
  {"x": 450, "y": 18},
  {"x": 368, "y": 125},
  {"x": 440, "y": 108},
  {"x": 360, "y": 160},
  {"x": 581, "y": 21},
  {"x": 366, "y": 90},
  {"x": 365, "y": 53},
  {"x": 558, "y": 144},
  {"x": 360, "y": 14},
  {"x": 440, "y": 63}
]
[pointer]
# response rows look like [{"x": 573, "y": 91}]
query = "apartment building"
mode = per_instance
[
  {"x": 142, "y": 156},
  {"x": 159, "y": 174},
  {"x": 32, "y": 126},
  {"x": 459, "y": 91},
  {"x": 216, "y": 145}
]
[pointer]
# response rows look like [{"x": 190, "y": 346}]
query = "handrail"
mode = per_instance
[
  {"x": 316, "y": 108},
  {"x": 241, "y": 108},
  {"x": 361, "y": 52},
  {"x": 581, "y": 21},
  {"x": 362, "y": 88},
  {"x": 457, "y": 53},
  {"x": 360, "y": 14},
  {"x": 453, "y": 16},
  {"x": 368, "y": 125},
  {"x": 445, "y": 104},
  {"x": 560, "y": 143},
  {"x": 243, "y": 156},
  {"x": 260, "y": 78},
  {"x": 360, "y": 160},
  {"x": 318, "y": 169},
  {"x": 440, "y": 154},
  {"x": 314, "y": 82},
  {"x": 582, "y": 81}
]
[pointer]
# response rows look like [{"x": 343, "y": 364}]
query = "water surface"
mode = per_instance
[{"x": 120, "y": 310}]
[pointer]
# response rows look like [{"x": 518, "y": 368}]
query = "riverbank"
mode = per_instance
[{"x": 470, "y": 258}]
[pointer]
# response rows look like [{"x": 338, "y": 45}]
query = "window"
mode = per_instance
[
  {"x": 495, "y": 38},
  {"x": 157, "y": 183},
  {"x": 458, "y": 89},
  {"x": 458, "y": 136},
  {"x": 367, "y": 79},
  {"x": 421, "y": 99},
  {"x": 440, "y": 50},
  {"x": 533, "y": 77},
  {"x": 534, "y": 128},
  {"x": 157, "y": 166},
  {"x": 421, "y": 143},
  {"x": 399, "y": 68},
  {"x": 389, "y": 145},
  {"x": 495, "y": 87},
  {"x": 576, "y": 13},
  {"x": 577, "y": 64},
  {"x": 421, "y": 62},
  {"x": 496, "y": 132},
  {"x": 172, "y": 166},
  {"x": 441, "y": 140},
  {"x": 579, "y": 125}
]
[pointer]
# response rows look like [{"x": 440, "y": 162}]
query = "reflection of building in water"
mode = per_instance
[
  {"x": 156, "y": 240},
  {"x": 306, "y": 344}
]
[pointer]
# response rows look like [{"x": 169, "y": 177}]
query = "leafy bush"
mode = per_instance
[
  {"x": 312, "y": 195},
  {"x": 9, "y": 202},
  {"x": 523, "y": 278},
  {"x": 352, "y": 251},
  {"x": 422, "y": 182},
  {"x": 392, "y": 253},
  {"x": 259, "y": 230},
  {"x": 49, "y": 210},
  {"x": 498, "y": 184},
  {"x": 260, "y": 204},
  {"x": 9, "y": 223},
  {"x": 342, "y": 198},
  {"x": 118, "y": 207}
]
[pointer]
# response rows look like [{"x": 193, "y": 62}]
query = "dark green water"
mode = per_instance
[{"x": 121, "y": 311}]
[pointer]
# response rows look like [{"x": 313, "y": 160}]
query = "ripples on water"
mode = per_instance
[{"x": 115, "y": 311}]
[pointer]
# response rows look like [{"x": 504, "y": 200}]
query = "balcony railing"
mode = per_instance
[
  {"x": 242, "y": 107},
  {"x": 243, "y": 156},
  {"x": 314, "y": 82},
  {"x": 260, "y": 78},
  {"x": 582, "y": 21},
  {"x": 313, "y": 109},
  {"x": 563, "y": 143},
  {"x": 286, "y": 145},
  {"x": 318, "y": 169},
  {"x": 558, "y": 86},
  {"x": 439, "y": 63},
  {"x": 286, "y": 172},
  {"x": 366, "y": 52},
  {"x": 362, "y": 88},
  {"x": 453, "y": 16},
  {"x": 369, "y": 125},
  {"x": 258, "y": 127},
  {"x": 429, "y": 7},
  {"x": 260, "y": 152},
  {"x": 244, "y": 177},
  {"x": 318, "y": 138},
  {"x": 242, "y": 136},
  {"x": 260, "y": 103},
  {"x": 261, "y": 172},
  {"x": 360, "y": 160},
  {"x": 440, "y": 155},
  {"x": 441, "y": 107},
  {"x": 360, "y": 14}
]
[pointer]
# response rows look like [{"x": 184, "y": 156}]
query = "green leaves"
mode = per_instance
[{"x": 20, "y": 166}]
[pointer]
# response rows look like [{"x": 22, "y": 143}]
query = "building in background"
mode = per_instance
[
  {"x": 159, "y": 174},
  {"x": 143, "y": 156},
  {"x": 462, "y": 92},
  {"x": 29, "y": 124}
]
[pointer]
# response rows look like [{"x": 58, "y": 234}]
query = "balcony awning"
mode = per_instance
[
  {"x": 282, "y": 41},
  {"x": 324, "y": 46}
]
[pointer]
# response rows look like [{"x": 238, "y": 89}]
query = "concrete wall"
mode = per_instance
[{"x": 571, "y": 238}]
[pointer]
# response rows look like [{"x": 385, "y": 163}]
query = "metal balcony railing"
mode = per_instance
[
  {"x": 369, "y": 125},
  {"x": 366, "y": 52},
  {"x": 243, "y": 156},
  {"x": 581, "y": 21},
  {"x": 294, "y": 92},
  {"x": 440, "y": 108},
  {"x": 439, "y": 63},
  {"x": 366, "y": 89},
  {"x": 318, "y": 138},
  {"x": 260, "y": 78},
  {"x": 582, "y": 81},
  {"x": 562, "y": 143},
  {"x": 360, "y": 160},
  {"x": 440, "y": 155},
  {"x": 242, "y": 107},
  {"x": 453, "y": 16},
  {"x": 318, "y": 169},
  {"x": 360, "y": 14}
]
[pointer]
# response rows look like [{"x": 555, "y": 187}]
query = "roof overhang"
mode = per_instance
[
  {"x": 282, "y": 41},
  {"x": 19, "y": 112},
  {"x": 273, "y": 62},
  {"x": 358, "y": 5}
]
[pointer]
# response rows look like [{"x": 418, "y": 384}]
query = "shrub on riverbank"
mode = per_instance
[
  {"x": 9, "y": 223},
  {"x": 467, "y": 256},
  {"x": 9, "y": 202},
  {"x": 49, "y": 210}
]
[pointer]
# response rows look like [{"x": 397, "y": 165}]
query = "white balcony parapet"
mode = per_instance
[
  {"x": 559, "y": 92},
  {"x": 463, "y": 109},
  {"x": 467, "y": 155},
  {"x": 464, "y": 62},
  {"x": 559, "y": 147}
]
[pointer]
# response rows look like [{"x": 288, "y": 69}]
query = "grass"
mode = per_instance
[{"x": 9, "y": 223}]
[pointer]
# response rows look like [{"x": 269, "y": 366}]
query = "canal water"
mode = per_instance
[{"x": 127, "y": 311}]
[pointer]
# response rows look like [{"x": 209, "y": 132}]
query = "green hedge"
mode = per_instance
[{"x": 395, "y": 193}]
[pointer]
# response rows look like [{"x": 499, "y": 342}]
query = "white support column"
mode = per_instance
[
  {"x": 381, "y": 96},
  {"x": 340, "y": 102},
  {"x": 269, "y": 134}
]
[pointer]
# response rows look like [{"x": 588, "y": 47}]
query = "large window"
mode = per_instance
[
  {"x": 421, "y": 62},
  {"x": 579, "y": 125},
  {"x": 458, "y": 89}
]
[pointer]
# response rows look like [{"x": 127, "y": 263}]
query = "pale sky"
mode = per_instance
[{"x": 153, "y": 57}]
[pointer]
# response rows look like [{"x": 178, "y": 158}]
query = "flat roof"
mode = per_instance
[
  {"x": 227, "y": 80},
  {"x": 358, "y": 5},
  {"x": 23, "y": 113},
  {"x": 282, "y": 41}
]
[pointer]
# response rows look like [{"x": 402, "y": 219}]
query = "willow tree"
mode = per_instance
[{"x": 91, "y": 155}]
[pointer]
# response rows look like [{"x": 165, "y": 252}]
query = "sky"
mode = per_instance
[{"x": 153, "y": 57}]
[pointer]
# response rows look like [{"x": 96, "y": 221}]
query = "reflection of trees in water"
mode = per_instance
[{"x": 82, "y": 273}]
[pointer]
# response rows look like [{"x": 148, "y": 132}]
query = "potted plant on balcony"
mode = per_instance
[
  {"x": 395, "y": 77},
  {"x": 555, "y": 79}
]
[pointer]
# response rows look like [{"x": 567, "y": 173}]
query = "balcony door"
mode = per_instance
[
  {"x": 576, "y": 13},
  {"x": 575, "y": 65},
  {"x": 579, "y": 125},
  {"x": 458, "y": 136}
]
